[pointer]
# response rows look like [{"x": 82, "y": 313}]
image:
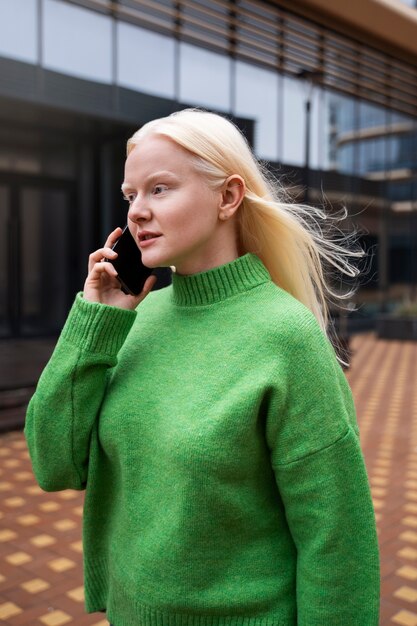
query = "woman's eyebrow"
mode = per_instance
[{"x": 151, "y": 177}]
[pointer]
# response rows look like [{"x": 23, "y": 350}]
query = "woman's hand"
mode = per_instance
[{"x": 102, "y": 284}]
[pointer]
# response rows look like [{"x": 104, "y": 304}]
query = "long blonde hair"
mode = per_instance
[{"x": 290, "y": 239}]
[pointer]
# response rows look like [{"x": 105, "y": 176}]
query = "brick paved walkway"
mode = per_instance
[
  {"x": 40, "y": 533},
  {"x": 384, "y": 382}
]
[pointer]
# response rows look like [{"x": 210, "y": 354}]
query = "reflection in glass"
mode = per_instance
[
  {"x": 371, "y": 115},
  {"x": 401, "y": 150},
  {"x": 257, "y": 98},
  {"x": 346, "y": 159},
  {"x": 372, "y": 155},
  {"x": 343, "y": 112},
  {"x": 342, "y": 116},
  {"x": 330, "y": 131},
  {"x": 294, "y": 122},
  {"x": 397, "y": 118}
]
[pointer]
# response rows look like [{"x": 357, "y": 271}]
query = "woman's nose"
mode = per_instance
[{"x": 138, "y": 210}]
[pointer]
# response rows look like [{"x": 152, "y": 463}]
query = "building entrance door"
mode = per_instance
[{"x": 36, "y": 266}]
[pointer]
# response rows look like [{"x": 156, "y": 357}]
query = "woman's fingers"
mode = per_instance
[
  {"x": 102, "y": 285},
  {"x": 99, "y": 255},
  {"x": 106, "y": 252},
  {"x": 102, "y": 268},
  {"x": 101, "y": 278},
  {"x": 113, "y": 237}
]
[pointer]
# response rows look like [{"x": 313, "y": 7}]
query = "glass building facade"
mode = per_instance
[{"x": 79, "y": 77}]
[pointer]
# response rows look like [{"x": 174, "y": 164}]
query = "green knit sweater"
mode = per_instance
[{"x": 215, "y": 435}]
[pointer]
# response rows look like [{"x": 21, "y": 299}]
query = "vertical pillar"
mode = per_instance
[{"x": 307, "y": 151}]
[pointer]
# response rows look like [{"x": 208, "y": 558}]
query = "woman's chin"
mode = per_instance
[{"x": 156, "y": 261}]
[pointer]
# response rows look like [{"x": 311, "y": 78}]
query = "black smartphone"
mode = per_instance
[{"x": 131, "y": 272}]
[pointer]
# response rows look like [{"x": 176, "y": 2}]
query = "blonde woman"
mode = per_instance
[{"x": 210, "y": 422}]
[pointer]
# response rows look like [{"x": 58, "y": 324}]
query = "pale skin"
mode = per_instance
[{"x": 197, "y": 225}]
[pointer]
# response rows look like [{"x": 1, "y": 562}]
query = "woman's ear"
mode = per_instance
[{"x": 232, "y": 194}]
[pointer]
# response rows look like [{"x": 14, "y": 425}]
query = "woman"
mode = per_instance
[{"x": 209, "y": 421}]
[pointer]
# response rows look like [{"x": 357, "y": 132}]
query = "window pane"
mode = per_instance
[
  {"x": 294, "y": 124},
  {"x": 327, "y": 133},
  {"x": 204, "y": 77},
  {"x": 136, "y": 47},
  {"x": 371, "y": 115},
  {"x": 340, "y": 137},
  {"x": 346, "y": 118},
  {"x": 372, "y": 139},
  {"x": 77, "y": 41},
  {"x": 401, "y": 142},
  {"x": 397, "y": 118},
  {"x": 18, "y": 30},
  {"x": 372, "y": 155},
  {"x": 257, "y": 98},
  {"x": 346, "y": 159},
  {"x": 401, "y": 151}
]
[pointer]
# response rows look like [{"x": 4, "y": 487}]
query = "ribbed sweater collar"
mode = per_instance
[{"x": 220, "y": 282}]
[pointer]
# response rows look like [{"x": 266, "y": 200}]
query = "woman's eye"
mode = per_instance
[
  {"x": 159, "y": 188},
  {"x": 156, "y": 190}
]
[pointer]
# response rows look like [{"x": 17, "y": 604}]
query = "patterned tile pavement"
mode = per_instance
[{"x": 40, "y": 533}]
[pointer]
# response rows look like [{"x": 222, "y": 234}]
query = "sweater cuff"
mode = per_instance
[{"x": 96, "y": 327}]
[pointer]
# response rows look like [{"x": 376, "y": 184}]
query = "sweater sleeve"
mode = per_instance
[
  {"x": 62, "y": 411},
  {"x": 321, "y": 476}
]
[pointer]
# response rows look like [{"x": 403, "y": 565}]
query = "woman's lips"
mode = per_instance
[{"x": 147, "y": 242}]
